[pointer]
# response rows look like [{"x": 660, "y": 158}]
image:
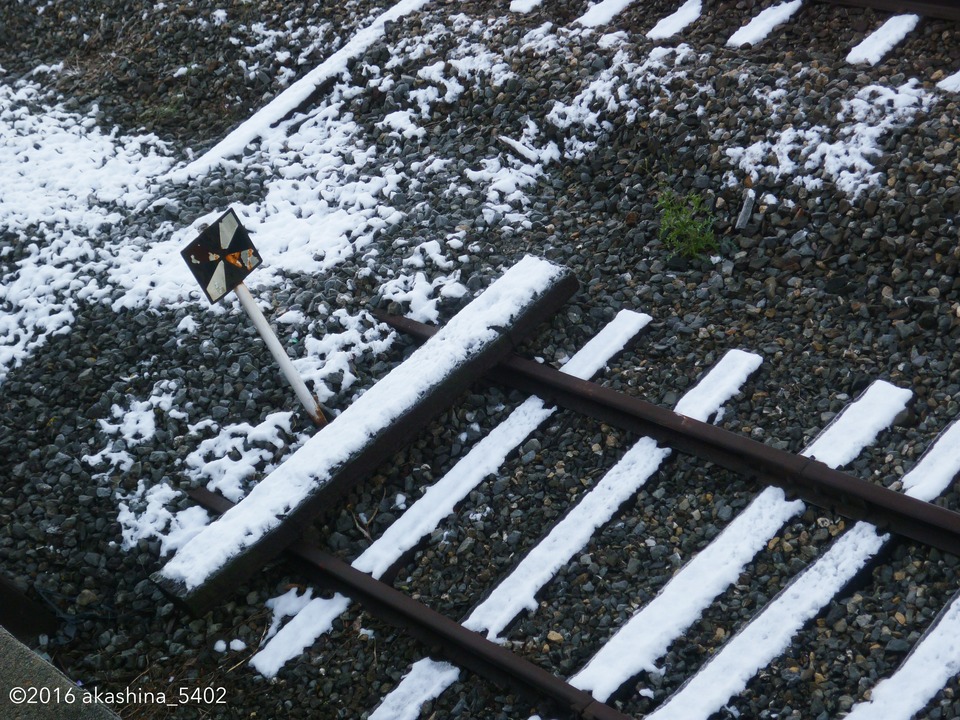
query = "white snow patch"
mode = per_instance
[
  {"x": 808, "y": 155},
  {"x": 859, "y": 424},
  {"x": 612, "y": 90},
  {"x": 314, "y": 619},
  {"x": 134, "y": 425},
  {"x": 435, "y": 73},
  {"x": 612, "y": 40},
  {"x": 335, "y": 353},
  {"x": 508, "y": 177},
  {"x": 401, "y": 122},
  {"x": 882, "y": 40},
  {"x": 763, "y": 24},
  {"x": 540, "y": 40},
  {"x": 951, "y": 83},
  {"x": 422, "y": 296},
  {"x": 214, "y": 459},
  {"x": 144, "y": 514}
]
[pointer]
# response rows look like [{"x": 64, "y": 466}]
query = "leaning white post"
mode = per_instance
[{"x": 279, "y": 354}]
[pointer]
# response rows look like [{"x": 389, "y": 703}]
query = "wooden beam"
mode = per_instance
[{"x": 375, "y": 427}]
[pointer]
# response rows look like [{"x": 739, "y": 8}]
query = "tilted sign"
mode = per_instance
[{"x": 221, "y": 256}]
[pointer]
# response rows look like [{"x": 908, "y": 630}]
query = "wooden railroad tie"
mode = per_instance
[{"x": 281, "y": 507}]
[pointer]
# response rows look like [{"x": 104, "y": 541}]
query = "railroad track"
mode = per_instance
[
  {"x": 499, "y": 627},
  {"x": 640, "y": 643}
]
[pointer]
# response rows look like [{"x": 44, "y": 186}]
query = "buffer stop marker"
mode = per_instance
[{"x": 220, "y": 258}]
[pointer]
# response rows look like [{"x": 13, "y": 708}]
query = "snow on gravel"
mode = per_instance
[
  {"x": 934, "y": 660},
  {"x": 64, "y": 179},
  {"x": 260, "y": 125},
  {"x": 926, "y": 670},
  {"x": 809, "y": 155},
  {"x": 328, "y": 193}
]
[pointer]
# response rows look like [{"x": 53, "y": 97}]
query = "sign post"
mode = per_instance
[{"x": 220, "y": 258}]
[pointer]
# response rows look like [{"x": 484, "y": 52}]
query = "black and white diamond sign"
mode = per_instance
[{"x": 221, "y": 256}]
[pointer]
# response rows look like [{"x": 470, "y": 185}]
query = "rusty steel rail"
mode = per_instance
[
  {"x": 799, "y": 476},
  {"x": 439, "y": 633},
  {"x": 944, "y": 9}
]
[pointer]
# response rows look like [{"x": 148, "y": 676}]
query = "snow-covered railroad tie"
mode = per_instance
[{"x": 279, "y": 508}]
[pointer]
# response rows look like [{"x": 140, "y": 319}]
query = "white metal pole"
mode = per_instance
[{"x": 279, "y": 354}]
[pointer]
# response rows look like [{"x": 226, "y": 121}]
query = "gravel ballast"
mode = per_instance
[{"x": 835, "y": 279}]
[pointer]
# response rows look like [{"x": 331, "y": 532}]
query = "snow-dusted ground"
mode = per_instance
[
  {"x": 328, "y": 192},
  {"x": 64, "y": 179}
]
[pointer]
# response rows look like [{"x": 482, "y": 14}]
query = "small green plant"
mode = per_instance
[{"x": 686, "y": 226}]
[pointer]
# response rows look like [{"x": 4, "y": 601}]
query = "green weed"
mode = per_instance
[{"x": 686, "y": 226}]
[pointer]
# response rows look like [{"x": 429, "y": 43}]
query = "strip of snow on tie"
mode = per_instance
[
  {"x": 763, "y": 24},
  {"x": 882, "y": 40}
]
